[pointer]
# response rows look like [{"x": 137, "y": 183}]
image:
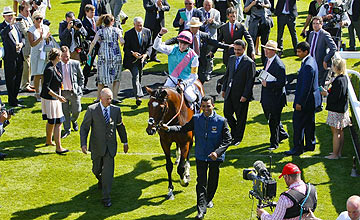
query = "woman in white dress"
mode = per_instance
[{"x": 38, "y": 35}]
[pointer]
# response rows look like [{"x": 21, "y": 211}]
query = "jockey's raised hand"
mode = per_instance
[{"x": 163, "y": 31}]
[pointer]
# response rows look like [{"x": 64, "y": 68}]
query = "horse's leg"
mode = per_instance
[
  {"x": 178, "y": 155},
  {"x": 169, "y": 167},
  {"x": 183, "y": 168}
]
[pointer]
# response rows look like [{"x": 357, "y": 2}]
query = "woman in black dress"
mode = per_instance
[{"x": 51, "y": 100}]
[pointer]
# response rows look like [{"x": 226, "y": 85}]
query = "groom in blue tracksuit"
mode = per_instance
[{"x": 212, "y": 138}]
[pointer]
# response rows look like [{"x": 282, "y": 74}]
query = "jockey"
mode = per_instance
[{"x": 182, "y": 64}]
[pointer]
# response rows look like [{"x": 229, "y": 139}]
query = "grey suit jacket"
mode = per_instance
[
  {"x": 77, "y": 77},
  {"x": 324, "y": 42},
  {"x": 216, "y": 24},
  {"x": 103, "y": 136},
  {"x": 24, "y": 26}
]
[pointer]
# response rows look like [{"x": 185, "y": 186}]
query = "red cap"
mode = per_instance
[{"x": 290, "y": 168}]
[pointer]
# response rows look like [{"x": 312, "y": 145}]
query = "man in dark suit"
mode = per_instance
[
  {"x": 232, "y": 31},
  {"x": 354, "y": 13},
  {"x": 319, "y": 46},
  {"x": 154, "y": 19},
  {"x": 189, "y": 11},
  {"x": 104, "y": 120},
  {"x": 237, "y": 90},
  {"x": 13, "y": 58},
  {"x": 89, "y": 23},
  {"x": 70, "y": 34},
  {"x": 73, "y": 80},
  {"x": 273, "y": 94},
  {"x": 286, "y": 13},
  {"x": 307, "y": 99},
  {"x": 137, "y": 49},
  {"x": 100, "y": 7}
]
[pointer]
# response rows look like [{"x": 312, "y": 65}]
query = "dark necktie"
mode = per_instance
[
  {"x": 232, "y": 31},
  {"x": 237, "y": 62},
  {"x": 106, "y": 116},
  {"x": 287, "y": 6},
  {"x": 207, "y": 25},
  {"x": 313, "y": 45}
]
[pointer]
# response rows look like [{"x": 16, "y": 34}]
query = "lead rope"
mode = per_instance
[{"x": 177, "y": 114}]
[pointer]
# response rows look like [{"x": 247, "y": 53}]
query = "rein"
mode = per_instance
[{"x": 177, "y": 114}]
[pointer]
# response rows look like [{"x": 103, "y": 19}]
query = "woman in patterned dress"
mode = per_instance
[
  {"x": 337, "y": 106},
  {"x": 109, "y": 63}
]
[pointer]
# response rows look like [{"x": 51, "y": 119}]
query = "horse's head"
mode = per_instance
[{"x": 157, "y": 109}]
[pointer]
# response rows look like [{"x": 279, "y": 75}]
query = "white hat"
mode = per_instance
[
  {"x": 195, "y": 22},
  {"x": 8, "y": 11}
]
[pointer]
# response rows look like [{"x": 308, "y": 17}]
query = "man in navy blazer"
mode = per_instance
[
  {"x": 13, "y": 57},
  {"x": 190, "y": 11},
  {"x": 273, "y": 95},
  {"x": 307, "y": 99},
  {"x": 237, "y": 90}
]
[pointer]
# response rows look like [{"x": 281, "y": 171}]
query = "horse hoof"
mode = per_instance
[
  {"x": 170, "y": 197},
  {"x": 184, "y": 183}
]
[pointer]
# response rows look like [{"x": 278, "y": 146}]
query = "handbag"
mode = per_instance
[{"x": 50, "y": 44}]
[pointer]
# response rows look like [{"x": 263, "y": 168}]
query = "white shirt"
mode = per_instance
[
  {"x": 344, "y": 216},
  {"x": 189, "y": 16}
]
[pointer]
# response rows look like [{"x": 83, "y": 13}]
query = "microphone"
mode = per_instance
[{"x": 261, "y": 169}]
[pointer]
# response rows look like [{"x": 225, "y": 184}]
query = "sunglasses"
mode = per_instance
[
  {"x": 188, "y": 3},
  {"x": 38, "y": 18}
]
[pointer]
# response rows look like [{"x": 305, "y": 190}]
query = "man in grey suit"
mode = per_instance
[
  {"x": 24, "y": 24},
  {"x": 73, "y": 80},
  {"x": 103, "y": 119},
  {"x": 320, "y": 40}
]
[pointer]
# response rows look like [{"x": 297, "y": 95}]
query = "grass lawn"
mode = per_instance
[{"x": 36, "y": 183}]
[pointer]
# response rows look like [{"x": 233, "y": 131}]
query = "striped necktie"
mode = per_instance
[{"x": 106, "y": 116}]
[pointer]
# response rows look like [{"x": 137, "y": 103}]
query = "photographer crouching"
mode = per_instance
[
  {"x": 5, "y": 115},
  {"x": 72, "y": 34},
  {"x": 296, "y": 201}
]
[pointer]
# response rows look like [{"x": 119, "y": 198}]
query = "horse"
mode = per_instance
[{"x": 167, "y": 106}]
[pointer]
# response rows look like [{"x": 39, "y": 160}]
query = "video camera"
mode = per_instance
[
  {"x": 338, "y": 12},
  {"x": 9, "y": 112},
  {"x": 264, "y": 186}
]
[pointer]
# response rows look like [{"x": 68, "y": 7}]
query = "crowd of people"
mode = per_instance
[{"x": 94, "y": 41}]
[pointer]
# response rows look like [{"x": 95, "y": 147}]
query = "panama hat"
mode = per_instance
[
  {"x": 195, "y": 22},
  {"x": 271, "y": 45},
  {"x": 8, "y": 11}
]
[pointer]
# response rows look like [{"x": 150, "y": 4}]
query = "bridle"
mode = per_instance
[{"x": 157, "y": 126}]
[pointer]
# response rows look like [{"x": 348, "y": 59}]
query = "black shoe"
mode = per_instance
[
  {"x": 62, "y": 152},
  {"x": 75, "y": 125},
  {"x": 18, "y": 105},
  {"x": 210, "y": 204},
  {"x": 66, "y": 133},
  {"x": 200, "y": 215},
  {"x": 116, "y": 101},
  {"x": 107, "y": 203},
  {"x": 293, "y": 152},
  {"x": 2, "y": 156},
  {"x": 273, "y": 147},
  {"x": 235, "y": 142},
  {"x": 138, "y": 102},
  {"x": 283, "y": 138}
]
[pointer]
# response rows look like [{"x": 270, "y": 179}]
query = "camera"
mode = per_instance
[
  {"x": 9, "y": 112},
  {"x": 264, "y": 186},
  {"x": 37, "y": 2},
  {"x": 338, "y": 12},
  {"x": 77, "y": 23},
  {"x": 258, "y": 4},
  {"x": 18, "y": 19}
]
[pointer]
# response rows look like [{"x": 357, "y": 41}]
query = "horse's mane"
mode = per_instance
[{"x": 160, "y": 95}]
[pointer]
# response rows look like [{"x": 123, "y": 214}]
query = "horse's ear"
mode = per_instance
[{"x": 150, "y": 91}]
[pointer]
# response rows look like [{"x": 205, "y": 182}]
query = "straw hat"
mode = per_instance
[
  {"x": 271, "y": 45},
  {"x": 8, "y": 11},
  {"x": 194, "y": 22}
]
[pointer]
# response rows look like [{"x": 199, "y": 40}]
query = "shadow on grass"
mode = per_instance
[
  {"x": 180, "y": 215},
  {"x": 126, "y": 193},
  {"x": 23, "y": 148}
]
